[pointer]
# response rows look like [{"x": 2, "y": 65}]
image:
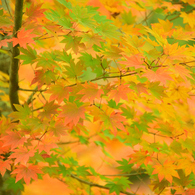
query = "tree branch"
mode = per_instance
[
  {"x": 13, "y": 87},
  {"x": 93, "y": 184}
]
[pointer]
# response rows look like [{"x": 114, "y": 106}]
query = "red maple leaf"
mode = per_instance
[
  {"x": 26, "y": 172},
  {"x": 23, "y": 37}
]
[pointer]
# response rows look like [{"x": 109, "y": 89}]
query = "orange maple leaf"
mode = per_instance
[
  {"x": 140, "y": 157},
  {"x": 113, "y": 121},
  {"x": 167, "y": 171},
  {"x": 59, "y": 92},
  {"x": 5, "y": 165},
  {"x": 35, "y": 11},
  {"x": 135, "y": 61},
  {"x": 26, "y": 172},
  {"x": 119, "y": 93},
  {"x": 162, "y": 75},
  {"x": 47, "y": 143},
  {"x": 13, "y": 139},
  {"x": 182, "y": 71},
  {"x": 22, "y": 155},
  {"x": 23, "y": 37},
  {"x": 90, "y": 92},
  {"x": 72, "y": 113}
]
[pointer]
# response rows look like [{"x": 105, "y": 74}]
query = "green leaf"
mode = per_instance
[
  {"x": 29, "y": 56},
  {"x": 83, "y": 16},
  {"x": 52, "y": 171},
  {"x": 89, "y": 60},
  {"x": 156, "y": 90},
  {"x": 14, "y": 186},
  {"x": 148, "y": 117},
  {"x": 65, "y": 3},
  {"x": 87, "y": 75},
  {"x": 128, "y": 112},
  {"x": 128, "y": 18},
  {"x": 82, "y": 171},
  {"x": 108, "y": 30},
  {"x": 22, "y": 113},
  {"x": 65, "y": 172},
  {"x": 125, "y": 167},
  {"x": 113, "y": 104}
]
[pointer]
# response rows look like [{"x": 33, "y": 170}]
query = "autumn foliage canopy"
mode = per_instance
[{"x": 121, "y": 75}]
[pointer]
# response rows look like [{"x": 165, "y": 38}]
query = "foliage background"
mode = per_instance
[{"x": 143, "y": 64}]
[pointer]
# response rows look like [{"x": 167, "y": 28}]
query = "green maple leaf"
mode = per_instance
[
  {"x": 65, "y": 3},
  {"x": 82, "y": 171},
  {"x": 73, "y": 70},
  {"x": 89, "y": 60},
  {"x": 125, "y": 167},
  {"x": 29, "y": 57},
  {"x": 128, "y": 112},
  {"x": 14, "y": 186},
  {"x": 22, "y": 113},
  {"x": 148, "y": 117},
  {"x": 128, "y": 18},
  {"x": 84, "y": 16},
  {"x": 108, "y": 30},
  {"x": 73, "y": 42},
  {"x": 88, "y": 75},
  {"x": 156, "y": 90}
]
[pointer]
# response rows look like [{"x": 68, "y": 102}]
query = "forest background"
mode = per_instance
[{"x": 97, "y": 97}]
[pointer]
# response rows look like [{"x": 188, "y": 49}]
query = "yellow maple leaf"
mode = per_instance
[
  {"x": 187, "y": 165},
  {"x": 166, "y": 170}
]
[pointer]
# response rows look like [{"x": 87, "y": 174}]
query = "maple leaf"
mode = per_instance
[
  {"x": 183, "y": 72},
  {"x": 43, "y": 77},
  {"x": 90, "y": 39},
  {"x": 5, "y": 165},
  {"x": 60, "y": 129},
  {"x": 156, "y": 90},
  {"x": 187, "y": 165},
  {"x": 140, "y": 157},
  {"x": 29, "y": 55},
  {"x": 22, "y": 112},
  {"x": 90, "y": 91},
  {"x": 47, "y": 143},
  {"x": 113, "y": 121},
  {"x": 26, "y": 172},
  {"x": 50, "y": 108},
  {"x": 73, "y": 43},
  {"x": 34, "y": 11},
  {"x": 120, "y": 93},
  {"x": 162, "y": 75},
  {"x": 58, "y": 92},
  {"x": 188, "y": 18},
  {"x": 167, "y": 171},
  {"x": 135, "y": 61},
  {"x": 4, "y": 42},
  {"x": 72, "y": 113},
  {"x": 23, "y": 38},
  {"x": 13, "y": 139},
  {"x": 22, "y": 155}
]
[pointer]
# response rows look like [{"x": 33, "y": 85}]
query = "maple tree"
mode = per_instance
[{"x": 125, "y": 78}]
